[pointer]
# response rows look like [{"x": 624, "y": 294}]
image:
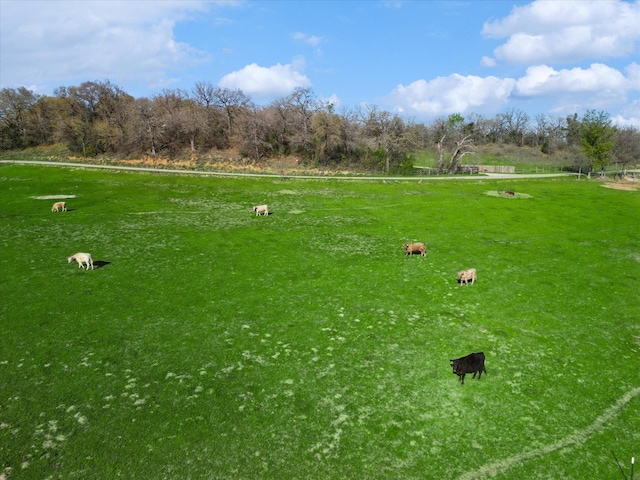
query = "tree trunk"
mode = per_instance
[
  {"x": 463, "y": 147},
  {"x": 440, "y": 146}
]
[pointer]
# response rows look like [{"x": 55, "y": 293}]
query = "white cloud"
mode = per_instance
[
  {"x": 570, "y": 90},
  {"x": 333, "y": 100},
  {"x": 629, "y": 117},
  {"x": 598, "y": 79},
  {"x": 577, "y": 89},
  {"x": 451, "y": 94},
  {"x": 63, "y": 41},
  {"x": 633, "y": 75},
  {"x": 266, "y": 82},
  {"x": 488, "y": 62},
  {"x": 562, "y": 31},
  {"x": 312, "y": 40}
]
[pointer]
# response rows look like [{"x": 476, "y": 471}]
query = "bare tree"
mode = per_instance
[
  {"x": 217, "y": 121},
  {"x": 232, "y": 102},
  {"x": 76, "y": 116},
  {"x": 354, "y": 140},
  {"x": 148, "y": 125},
  {"x": 304, "y": 103},
  {"x": 254, "y": 132},
  {"x": 417, "y": 134},
  {"x": 204, "y": 94},
  {"x": 459, "y": 149},
  {"x": 15, "y": 108},
  {"x": 549, "y": 132},
  {"x": 515, "y": 123},
  {"x": 193, "y": 121},
  {"x": 168, "y": 109},
  {"x": 626, "y": 146},
  {"x": 328, "y": 137},
  {"x": 94, "y": 117},
  {"x": 114, "y": 111},
  {"x": 300, "y": 106},
  {"x": 284, "y": 126},
  {"x": 42, "y": 121},
  {"x": 385, "y": 134},
  {"x": 484, "y": 130}
]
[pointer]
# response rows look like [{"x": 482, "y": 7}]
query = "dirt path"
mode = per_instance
[{"x": 486, "y": 176}]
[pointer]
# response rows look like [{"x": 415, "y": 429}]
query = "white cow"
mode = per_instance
[
  {"x": 261, "y": 210},
  {"x": 82, "y": 259}
]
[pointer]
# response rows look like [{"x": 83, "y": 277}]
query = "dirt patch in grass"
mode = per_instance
[
  {"x": 507, "y": 194},
  {"x": 628, "y": 185},
  {"x": 53, "y": 197}
]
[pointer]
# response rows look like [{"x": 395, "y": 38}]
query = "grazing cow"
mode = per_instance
[
  {"x": 59, "y": 205},
  {"x": 261, "y": 209},
  {"x": 82, "y": 259},
  {"x": 411, "y": 248},
  {"x": 472, "y": 363},
  {"x": 465, "y": 275}
]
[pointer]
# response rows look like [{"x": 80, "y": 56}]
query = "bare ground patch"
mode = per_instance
[
  {"x": 627, "y": 184},
  {"x": 53, "y": 197},
  {"x": 502, "y": 194}
]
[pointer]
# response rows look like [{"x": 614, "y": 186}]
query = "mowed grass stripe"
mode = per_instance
[{"x": 212, "y": 343}]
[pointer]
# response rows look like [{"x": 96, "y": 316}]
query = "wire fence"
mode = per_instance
[{"x": 541, "y": 169}]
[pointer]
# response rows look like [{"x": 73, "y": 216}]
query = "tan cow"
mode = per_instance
[
  {"x": 59, "y": 205},
  {"x": 411, "y": 248},
  {"x": 465, "y": 275}
]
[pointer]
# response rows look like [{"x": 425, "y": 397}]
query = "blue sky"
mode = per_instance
[{"x": 423, "y": 59}]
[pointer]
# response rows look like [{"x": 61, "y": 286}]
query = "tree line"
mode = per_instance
[{"x": 100, "y": 118}]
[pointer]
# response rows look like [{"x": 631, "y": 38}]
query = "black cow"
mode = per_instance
[{"x": 472, "y": 363}]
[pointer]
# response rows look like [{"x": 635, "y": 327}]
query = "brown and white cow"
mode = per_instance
[{"x": 465, "y": 275}]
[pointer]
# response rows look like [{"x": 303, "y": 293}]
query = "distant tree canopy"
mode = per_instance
[{"x": 97, "y": 118}]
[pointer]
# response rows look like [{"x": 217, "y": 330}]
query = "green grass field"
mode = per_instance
[
  {"x": 213, "y": 344},
  {"x": 524, "y": 159}
]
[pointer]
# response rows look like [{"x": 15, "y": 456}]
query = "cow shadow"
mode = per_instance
[{"x": 100, "y": 263}]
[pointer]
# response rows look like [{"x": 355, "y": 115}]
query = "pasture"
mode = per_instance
[{"x": 211, "y": 343}]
